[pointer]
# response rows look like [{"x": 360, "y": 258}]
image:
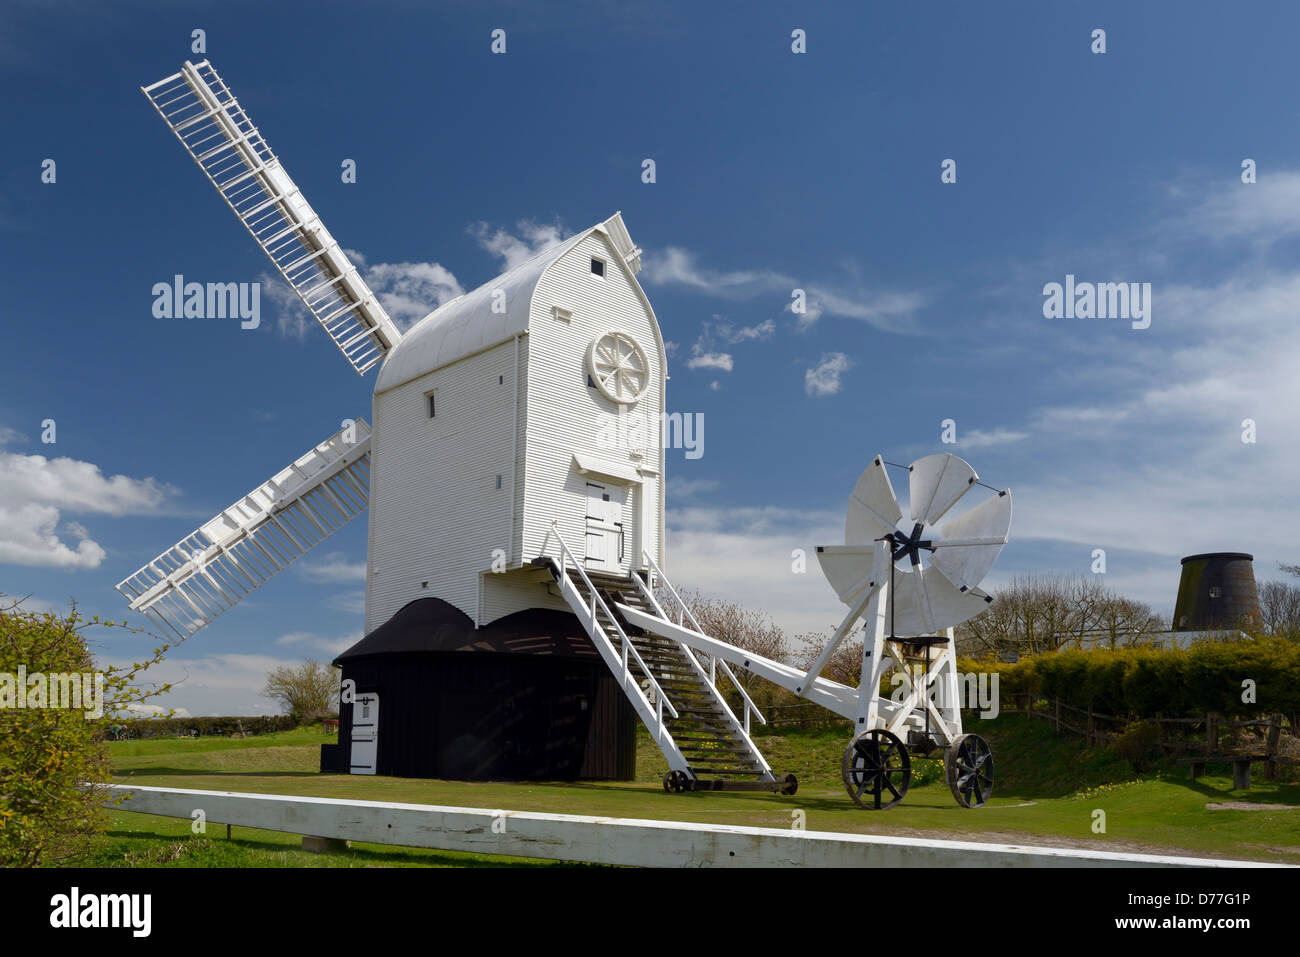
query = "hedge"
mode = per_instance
[
  {"x": 151, "y": 727},
  {"x": 1146, "y": 683}
]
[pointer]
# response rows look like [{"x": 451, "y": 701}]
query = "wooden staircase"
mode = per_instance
[{"x": 717, "y": 751}]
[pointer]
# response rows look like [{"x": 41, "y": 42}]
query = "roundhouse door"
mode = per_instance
[
  {"x": 365, "y": 733},
  {"x": 604, "y": 526}
]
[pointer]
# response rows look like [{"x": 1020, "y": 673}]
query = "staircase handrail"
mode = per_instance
[
  {"x": 726, "y": 669},
  {"x": 661, "y": 699}
]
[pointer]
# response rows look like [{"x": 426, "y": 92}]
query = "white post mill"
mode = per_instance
[{"x": 501, "y": 474}]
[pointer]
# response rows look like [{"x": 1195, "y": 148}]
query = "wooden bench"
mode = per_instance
[{"x": 1240, "y": 765}]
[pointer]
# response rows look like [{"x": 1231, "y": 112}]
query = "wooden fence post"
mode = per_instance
[
  {"x": 1270, "y": 745},
  {"x": 1058, "y": 717},
  {"x": 1211, "y": 732},
  {"x": 1091, "y": 726}
]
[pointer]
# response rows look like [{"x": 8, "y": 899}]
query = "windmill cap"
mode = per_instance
[{"x": 1238, "y": 555}]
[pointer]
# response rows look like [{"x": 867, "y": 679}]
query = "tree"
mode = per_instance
[
  {"x": 53, "y": 759},
  {"x": 305, "y": 693},
  {"x": 1035, "y": 614},
  {"x": 1279, "y": 604},
  {"x": 844, "y": 664},
  {"x": 747, "y": 629}
]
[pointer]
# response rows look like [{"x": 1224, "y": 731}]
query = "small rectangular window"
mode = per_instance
[
  {"x": 498, "y": 481},
  {"x": 597, "y": 266},
  {"x": 432, "y": 405}
]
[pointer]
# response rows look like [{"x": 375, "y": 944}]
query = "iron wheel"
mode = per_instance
[
  {"x": 876, "y": 769},
  {"x": 968, "y": 765}
]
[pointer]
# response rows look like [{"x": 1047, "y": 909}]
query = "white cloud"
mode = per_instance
[
  {"x": 680, "y": 488},
  {"x": 10, "y": 436},
  {"x": 981, "y": 439},
  {"x": 746, "y": 555},
  {"x": 711, "y": 360},
  {"x": 706, "y": 355},
  {"x": 76, "y": 485},
  {"x": 332, "y": 569},
  {"x": 1156, "y": 463},
  {"x": 824, "y": 378},
  {"x": 34, "y": 488},
  {"x": 514, "y": 249},
  {"x": 149, "y": 710},
  {"x": 292, "y": 320},
  {"x": 28, "y": 537},
  {"x": 756, "y": 333},
  {"x": 1264, "y": 211},
  {"x": 218, "y": 684},
  {"x": 330, "y": 647},
  {"x": 353, "y": 602},
  {"x": 677, "y": 266},
  {"x": 410, "y": 291},
  {"x": 885, "y": 310}
]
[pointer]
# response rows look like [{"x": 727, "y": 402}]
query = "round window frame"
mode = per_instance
[{"x": 595, "y": 376}]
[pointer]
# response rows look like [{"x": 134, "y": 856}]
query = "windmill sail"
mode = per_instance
[
  {"x": 239, "y": 550},
  {"x": 232, "y": 153}
]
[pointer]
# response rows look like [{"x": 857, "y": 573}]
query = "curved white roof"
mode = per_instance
[{"x": 467, "y": 324}]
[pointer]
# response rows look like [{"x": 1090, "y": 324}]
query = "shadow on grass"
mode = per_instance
[
  {"x": 154, "y": 770},
  {"x": 1216, "y": 788},
  {"x": 134, "y": 849}
]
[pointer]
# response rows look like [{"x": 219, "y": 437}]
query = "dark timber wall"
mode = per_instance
[{"x": 526, "y": 697}]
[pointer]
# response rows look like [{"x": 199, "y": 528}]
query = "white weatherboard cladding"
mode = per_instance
[
  {"x": 568, "y": 414},
  {"x": 436, "y": 513},
  {"x": 517, "y": 590}
]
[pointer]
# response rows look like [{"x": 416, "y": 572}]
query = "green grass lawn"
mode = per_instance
[{"x": 1048, "y": 790}]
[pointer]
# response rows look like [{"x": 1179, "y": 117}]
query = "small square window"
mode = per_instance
[
  {"x": 597, "y": 266},
  {"x": 433, "y": 410},
  {"x": 1216, "y": 591}
]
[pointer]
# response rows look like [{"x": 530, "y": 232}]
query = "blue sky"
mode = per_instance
[{"x": 775, "y": 171}]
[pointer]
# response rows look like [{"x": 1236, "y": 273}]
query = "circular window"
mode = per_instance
[{"x": 619, "y": 367}]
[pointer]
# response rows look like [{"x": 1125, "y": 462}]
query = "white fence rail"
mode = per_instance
[{"x": 603, "y": 840}]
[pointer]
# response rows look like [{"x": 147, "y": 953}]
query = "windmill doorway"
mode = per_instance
[
  {"x": 365, "y": 733},
  {"x": 605, "y": 539}
]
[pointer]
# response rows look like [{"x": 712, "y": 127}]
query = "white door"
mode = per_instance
[
  {"x": 605, "y": 526},
  {"x": 365, "y": 733}
]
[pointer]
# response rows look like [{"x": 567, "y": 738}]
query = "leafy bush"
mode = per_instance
[
  {"x": 1138, "y": 744},
  {"x": 53, "y": 763}
]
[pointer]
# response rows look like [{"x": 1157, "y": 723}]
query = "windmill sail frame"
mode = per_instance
[
  {"x": 241, "y": 548},
  {"x": 215, "y": 130}
]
